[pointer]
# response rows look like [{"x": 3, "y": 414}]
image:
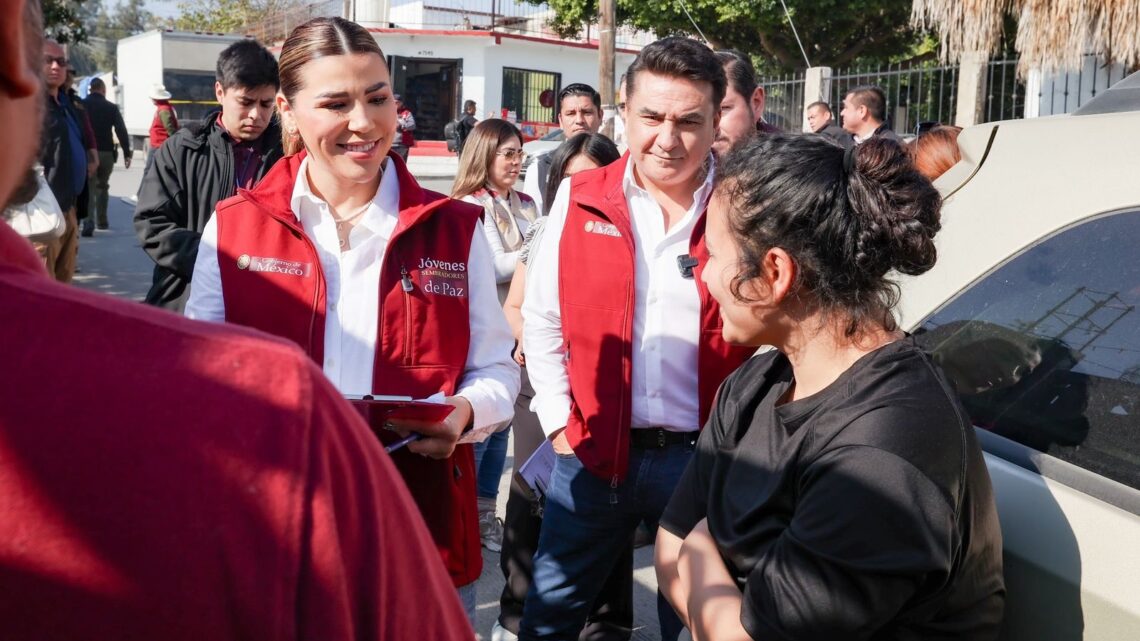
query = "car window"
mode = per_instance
[{"x": 1046, "y": 349}]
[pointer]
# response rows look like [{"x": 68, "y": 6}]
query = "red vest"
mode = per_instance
[
  {"x": 158, "y": 133},
  {"x": 597, "y": 297},
  {"x": 272, "y": 280}
]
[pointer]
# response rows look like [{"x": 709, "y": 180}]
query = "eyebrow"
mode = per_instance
[
  {"x": 692, "y": 115},
  {"x": 344, "y": 94}
]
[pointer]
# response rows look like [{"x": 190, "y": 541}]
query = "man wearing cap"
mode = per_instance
[
  {"x": 205, "y": 163},
  {"x": 405, "y": 125}
]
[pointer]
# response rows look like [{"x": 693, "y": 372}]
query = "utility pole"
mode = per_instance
[
  {"x": 606, "y": 42},
  {"x": 348, "y": 10}
]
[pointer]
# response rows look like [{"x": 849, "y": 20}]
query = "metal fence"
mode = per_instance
[
  {"x": 1005, "y": 93},
  {"x": 784, "y": 107},
  {"x": 923, "y": 92},
  {"x": 1064, "y": 92}
]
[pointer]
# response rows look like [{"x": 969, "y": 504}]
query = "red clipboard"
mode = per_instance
[{"x": 379, "y": 409}]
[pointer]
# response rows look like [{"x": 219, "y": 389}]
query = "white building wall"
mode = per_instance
[
  {"x": 1063, "y": 92},
  {"x": 483, "y": 61}
]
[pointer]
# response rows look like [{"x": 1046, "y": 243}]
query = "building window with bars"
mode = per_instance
[{"x": 529, "y": 94}]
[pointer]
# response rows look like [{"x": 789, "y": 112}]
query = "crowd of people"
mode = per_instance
[{"x": 698, "y": 327}]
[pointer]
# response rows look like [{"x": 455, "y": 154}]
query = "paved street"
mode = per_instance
[{"x": 113, "y": 263}]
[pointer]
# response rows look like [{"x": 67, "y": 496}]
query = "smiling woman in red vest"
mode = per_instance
[{"x": 387, "y": 285}]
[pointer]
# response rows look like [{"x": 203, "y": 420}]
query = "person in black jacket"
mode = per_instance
[
  {"x": 106, "y": 119},
  {"x": 821, "y": 121},
  {"x": 205, "y": 163}
]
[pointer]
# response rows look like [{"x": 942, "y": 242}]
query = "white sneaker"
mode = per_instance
[{"x": 499, "y": 633}]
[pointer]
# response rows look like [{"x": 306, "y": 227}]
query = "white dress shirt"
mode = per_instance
[
  {"x": 352, "y": 278},
  {"x": 666, "y": 315}
]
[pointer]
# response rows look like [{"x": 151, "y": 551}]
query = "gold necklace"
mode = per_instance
[{"x": 341, "y": 231}]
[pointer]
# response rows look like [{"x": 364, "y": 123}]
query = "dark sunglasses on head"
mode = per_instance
[{"x": 924, "y": 127}]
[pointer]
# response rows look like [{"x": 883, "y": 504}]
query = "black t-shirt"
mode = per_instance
[{"x": 861, "y": 512}]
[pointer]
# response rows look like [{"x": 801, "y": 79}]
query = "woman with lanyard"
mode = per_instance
[
  {"x": 838, "y": 490},
  {"x": 488, "y": 170},
  {"x": 387, "y": 285}
]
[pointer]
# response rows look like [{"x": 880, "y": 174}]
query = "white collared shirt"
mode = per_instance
[
  {"x": 491, "y": 379},
  {"x": 666, "y": 315}
]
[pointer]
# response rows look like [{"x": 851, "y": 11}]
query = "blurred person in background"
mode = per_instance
[
  {"x": 935, "y": 150},
  {"x": 488, "y": 171},
  {"x": 107, "y": 121}
]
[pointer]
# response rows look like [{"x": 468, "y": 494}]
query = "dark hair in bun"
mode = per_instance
[{"x": 845, "y": 219}]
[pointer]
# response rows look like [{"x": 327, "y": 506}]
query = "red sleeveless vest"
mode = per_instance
[
  {"x": 597, "y": 297},
  {"x": 272, "y": 280}
]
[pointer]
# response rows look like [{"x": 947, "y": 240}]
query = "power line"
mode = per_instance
[
  {"x": 794, "y": 33},
  {"x": 694, "y": 22}
]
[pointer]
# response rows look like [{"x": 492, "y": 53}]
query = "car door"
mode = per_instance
[{"x": 1044, "y": 353}]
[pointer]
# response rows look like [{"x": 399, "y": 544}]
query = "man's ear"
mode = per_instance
[
  {"x": 758, "y": 100},
  {"x": 219, "y": 91},
  {"x": 17, "y": 77}
]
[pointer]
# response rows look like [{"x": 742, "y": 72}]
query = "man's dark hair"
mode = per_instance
[
  {"x": 97, "y": 84},
  {"x": 580, "y": 89},
  {"x": 821, "y": 105},
  {"x": 738, "y": 70},
  {"x": 679, "y": 57},
  {"x": 247, "y": 64},
  {"x": 873, "y": 99}
]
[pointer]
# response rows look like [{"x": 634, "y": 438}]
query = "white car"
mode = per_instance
[
  {"x": 1033, "y": 311},
  {"x": 539, "y": 146}
]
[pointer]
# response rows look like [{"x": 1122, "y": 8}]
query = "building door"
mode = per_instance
[{"x": 431, "y": 88}]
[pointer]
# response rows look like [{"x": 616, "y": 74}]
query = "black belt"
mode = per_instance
[{"x": 655, "y": 438}]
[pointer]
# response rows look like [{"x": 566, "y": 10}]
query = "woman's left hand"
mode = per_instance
[{"x": 439, "y": 438}]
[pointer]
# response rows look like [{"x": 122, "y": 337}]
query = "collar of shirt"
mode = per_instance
[
  {"x": 382, "y": 214},
  {"x": 634, "y": 193}
]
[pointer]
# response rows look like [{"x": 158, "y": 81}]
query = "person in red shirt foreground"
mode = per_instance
[
  {"x": 167, "y": 479},
  {"x": 389, "y": 286}
]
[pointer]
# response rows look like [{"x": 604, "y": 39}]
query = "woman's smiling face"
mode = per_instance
[{"x": 345, "y": 114}]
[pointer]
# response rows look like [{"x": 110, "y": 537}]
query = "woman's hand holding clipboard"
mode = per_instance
[{"x": 430, "y": 427}]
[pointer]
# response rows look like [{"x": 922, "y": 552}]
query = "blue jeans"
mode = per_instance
[
  {"x": 585, "y": 527},
  {"x": 490, "y": 459}
]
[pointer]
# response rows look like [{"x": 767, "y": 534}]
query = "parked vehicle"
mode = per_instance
[
  {"x": 184, "y": 63},
  {"x": 539, "y": 146},
  {"x": 1033, "y": 310}
]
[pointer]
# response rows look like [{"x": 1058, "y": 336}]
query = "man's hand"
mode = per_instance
[
  {"x": 126, "y": 162},
  {"x": 560, "y": 444},
  {"x": 438, "y": 438},
  {"x": 92, "y": 163}
]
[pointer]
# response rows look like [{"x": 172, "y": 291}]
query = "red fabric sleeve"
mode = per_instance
[{"x": 369, "y": 569}]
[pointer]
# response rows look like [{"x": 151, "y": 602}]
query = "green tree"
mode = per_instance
[
  {"x": 834, "y": 32},
  {"x": 63, "y": 20},
  {"x": 263, "y": 18}
]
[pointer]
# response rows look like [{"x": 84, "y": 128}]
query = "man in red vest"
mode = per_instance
[
  {"x": 622, "y": 338},
  {"x": 176, "y": 480}
]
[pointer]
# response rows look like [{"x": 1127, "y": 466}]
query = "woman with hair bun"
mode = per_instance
[{"x": 838, "y": 490}]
